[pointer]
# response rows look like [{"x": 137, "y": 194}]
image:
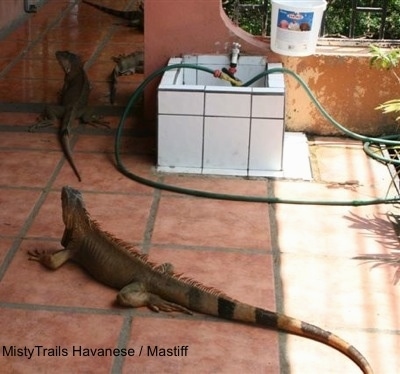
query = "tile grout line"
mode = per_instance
[
  {"x": 31, "y": 44},
  {"x": 203, "y": 248},
  {"x": 278, "y": 288},
  {"x": 148, "y": 234},
  {"x": 123, "y": 340},
  {"x": 25, "y": 227},
  {"x": 64, "y": 309}
]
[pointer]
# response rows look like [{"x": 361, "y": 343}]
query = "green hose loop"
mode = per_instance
[
  {"x": 336, "y": 124},
  {"x": 244, "y": 198}
]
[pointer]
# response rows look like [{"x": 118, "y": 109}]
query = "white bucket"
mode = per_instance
[{"x": 295, "y": 26}]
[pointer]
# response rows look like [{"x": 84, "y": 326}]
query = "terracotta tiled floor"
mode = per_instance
[{"x": 294, "y": 259}]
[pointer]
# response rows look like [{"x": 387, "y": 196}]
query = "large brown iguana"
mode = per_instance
[
  {"x": 141, "y": 283},
  {"x": 135, "y": 17},
  {"x": 74, "y": 97}
]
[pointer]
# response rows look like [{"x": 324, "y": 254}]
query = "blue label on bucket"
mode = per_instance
[{"x": 295, "y": 21}]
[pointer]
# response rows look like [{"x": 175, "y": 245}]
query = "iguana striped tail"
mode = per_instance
[
  {"x": 183, "y": 294},
  {"x": 275, "y": 321}
]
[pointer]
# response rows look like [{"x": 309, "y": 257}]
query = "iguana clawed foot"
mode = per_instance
[
  {"x": 50, "y": 259},
  {"x": 42, "y": 123},
  {"x": 88, "y": 118},
  {"x": 157, "y": 304},
  {"x": 37, "y": 255}
]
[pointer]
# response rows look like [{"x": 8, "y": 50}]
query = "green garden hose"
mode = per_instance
[{"x": 246, "y": 198}]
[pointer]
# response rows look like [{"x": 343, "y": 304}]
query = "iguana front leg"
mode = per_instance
[
  {"x": 135, "y": 295},
  {"x": 89, "y": 118},
  {"x": 49, "y": 117},
  {"x": 50, "y": 259}
]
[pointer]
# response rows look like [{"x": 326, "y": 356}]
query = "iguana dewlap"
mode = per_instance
[{"x": 141, "y": 283}]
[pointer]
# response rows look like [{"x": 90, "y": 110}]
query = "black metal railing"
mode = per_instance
[
  {"x": 344, "y": 19},
  {"x": 357, "y": 9},
  {"x": 358, "y": 19}
]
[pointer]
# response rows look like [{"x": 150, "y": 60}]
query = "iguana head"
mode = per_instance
[
  {"x": 73, "y": 206},
  {"x": 68, "y": 60}
]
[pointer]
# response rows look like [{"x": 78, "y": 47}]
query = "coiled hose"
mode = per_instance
[{"x": 368, "y": 142}]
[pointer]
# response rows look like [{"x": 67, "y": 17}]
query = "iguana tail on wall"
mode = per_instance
[
  {"x": 135, "y": 17},
  {"x": 142, "y": 283}
]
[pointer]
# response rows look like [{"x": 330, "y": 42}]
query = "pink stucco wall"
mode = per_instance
[{"x": 177, "y": 27}]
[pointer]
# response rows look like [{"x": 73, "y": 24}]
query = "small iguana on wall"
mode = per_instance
[
  {"x": 74, "y": 97},
  {"x": 125, "y": 65},
  {"x": 141, "y": 283},
  {"x": 135, "y": 17}
]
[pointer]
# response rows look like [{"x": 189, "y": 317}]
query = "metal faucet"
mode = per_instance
[
  {"x": 230, "y": 73},
  {"x": 235, "y": 54}
]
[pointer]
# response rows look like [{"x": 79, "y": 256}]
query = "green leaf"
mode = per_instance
[
  {"x": 384, "y": 59},
  {"x": 390, "y": 106}
]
